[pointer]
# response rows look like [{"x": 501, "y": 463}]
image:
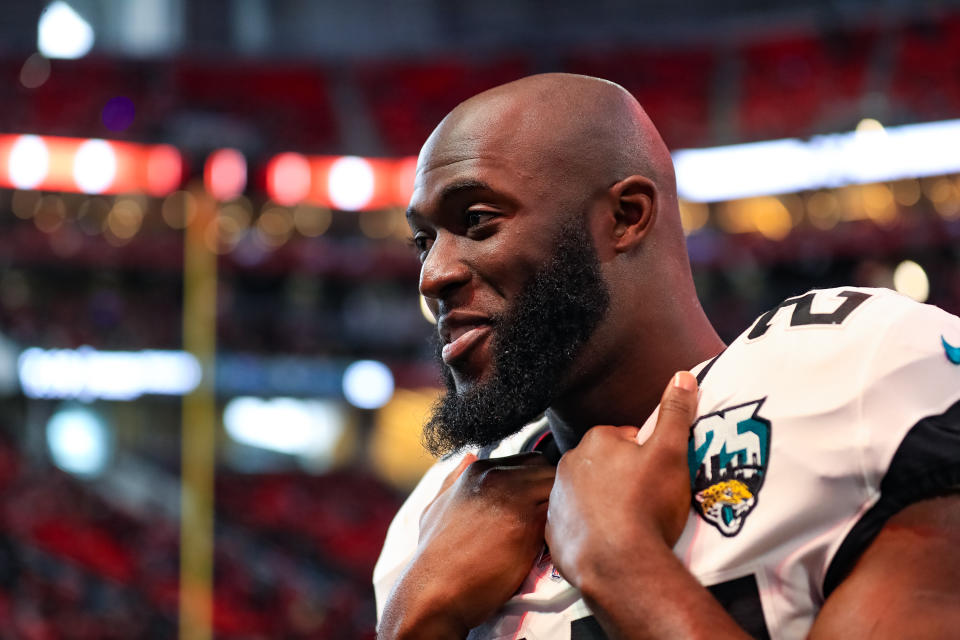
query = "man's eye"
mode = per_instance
[
  {"x": 478, "y": 217},
  {"x": 420, "y": 244}
]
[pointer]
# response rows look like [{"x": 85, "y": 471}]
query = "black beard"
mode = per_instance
[{"x": 534, "y": 345}]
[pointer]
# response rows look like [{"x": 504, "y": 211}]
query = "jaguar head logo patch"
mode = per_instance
[{"x": 727, "y": 454}]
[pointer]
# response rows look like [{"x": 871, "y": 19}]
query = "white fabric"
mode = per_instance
[{"x": 839, "y": 399}]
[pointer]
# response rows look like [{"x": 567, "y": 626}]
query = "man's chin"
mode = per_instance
[
  {"x": 475, "y": 416},
  {"x": 464, "y": 383}
]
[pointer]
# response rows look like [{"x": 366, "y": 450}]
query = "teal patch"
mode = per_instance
[
  {"x": 727, "y": 454},
  {"x": 953, "y": 353}
]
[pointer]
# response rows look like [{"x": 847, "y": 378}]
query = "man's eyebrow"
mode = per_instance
[{"x": 453, "y": 189}]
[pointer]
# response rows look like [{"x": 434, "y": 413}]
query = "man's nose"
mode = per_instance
[{"x": 443, "y": 271}]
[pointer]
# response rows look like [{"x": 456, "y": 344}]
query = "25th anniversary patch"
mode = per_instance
[{"x": 727, "y": 454}]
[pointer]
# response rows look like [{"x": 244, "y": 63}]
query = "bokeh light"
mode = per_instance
[
  {"x": 29, "y": 162},
  {"x": 910, "y": 279},
  {"x": 94, "y": 166},
  {"x": 164, "y": 169},
  {"x": 24, "y": 204},
  {"x": 309, "y": 428},
  {"x": 92, "y": 215},
  {"x": 288, "y": 178},
  {"x": 50, "y": 213},
  {"x": 79, "y": 441},
  {"x": 367, "y": 384},
  {"x": 377, "y": 224},
  {"x": 35, "y": 71},
  {"x": 179, "y": 209},
  {"x": 274, "y": 226},
  {"x": 124, "y": 220},
  {"x": 63, "y": 33},
  {"x": 312, "y": 221},
  {"x": 693, "y": 215},
  {"x": 351, "y": 183},
  {"x": 225, "y": 174},
  {"x": 118, "y": 114}
]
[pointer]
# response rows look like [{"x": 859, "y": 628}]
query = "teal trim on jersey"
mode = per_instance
[
  {"x": 953, "y": 353},
  {"x": 752, "y": 425},
  {"x": 695, "y": 456},
  {"x": 726, "y": 457}
]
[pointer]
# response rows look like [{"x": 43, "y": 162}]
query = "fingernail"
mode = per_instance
[{"x": 685, "y": 380}]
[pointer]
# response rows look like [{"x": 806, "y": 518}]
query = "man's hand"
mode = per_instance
[
  {"x": 613, "y": 498},
  {"x": 478, "y": 541},
  {"x": 616, "y": 511}
]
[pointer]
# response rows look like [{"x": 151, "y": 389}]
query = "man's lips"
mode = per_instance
[
  {"x": 454, "y": 349},
  {"x": 460, "y": 332}
]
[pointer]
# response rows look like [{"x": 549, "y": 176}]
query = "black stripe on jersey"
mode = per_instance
[
  {"x": 544, "y": 442},
  {"x": 926, "y": 465},
  {"x": 703, "y": 372},
  {"x": 741, "y": 599},
  {"x": 586, "y": 629}
]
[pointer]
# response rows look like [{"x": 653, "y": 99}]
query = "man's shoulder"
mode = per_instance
[
  {"x": 823, "y": 325},
  {"x": 402, "y": 536},
  {"x": 848, "y": 347},
  {"x": 827, "y": 311}
]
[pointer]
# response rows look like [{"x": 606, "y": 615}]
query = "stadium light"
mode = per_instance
[
  {"x": 63, "y": 33},
  {"x": 288, "y": 178},
  {"x": 309, "y": 428},
  {"x": 911, "y": 280},
  {"x": 78, "y": 165},
  {"x": 367, "y": 384},
  {"x": 225, "y": 174},
  {"x": 29, "y": 162},
  {"x": 348, "y": 183},
  {"x": 351, "y": 183},
  {"x": 870, "y": 154},
  {"x": 79, "y": 441},
  {"x": 88, "y": 374},
  {"x": 94, "y": 166}
]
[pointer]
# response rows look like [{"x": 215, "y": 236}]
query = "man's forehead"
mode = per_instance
[
  {"x": 453, "y": 174},
  {"x": 458, "y": 159},
  {"x": 464, "y": 137},
  {"x": 497, "y": 136}
]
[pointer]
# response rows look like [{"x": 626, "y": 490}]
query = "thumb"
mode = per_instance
[{"x": 678, "y": 409}]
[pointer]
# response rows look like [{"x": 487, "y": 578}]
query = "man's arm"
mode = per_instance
[
  {"x": 613, "y": 540},
  {"x": 906, "y": 584},
  {"x": 478, "y": 540}
]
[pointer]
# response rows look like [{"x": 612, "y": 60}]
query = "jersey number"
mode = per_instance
[
  {"x": 803, "y": 314},
  {"x": 739, "y": 597}
]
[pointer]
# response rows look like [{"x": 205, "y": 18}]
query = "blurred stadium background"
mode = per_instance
[{"x": 202, "y": 250}]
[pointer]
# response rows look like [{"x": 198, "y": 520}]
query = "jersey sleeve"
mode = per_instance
[
  {"x": 404, "y": 531},
  {"x": 908, "y": 422}
]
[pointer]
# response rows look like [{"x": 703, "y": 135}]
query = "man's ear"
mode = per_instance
[{"x": 635, "y": 207}]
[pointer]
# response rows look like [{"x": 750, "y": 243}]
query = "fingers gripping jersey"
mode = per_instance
[{"x": 826, "y": 416}]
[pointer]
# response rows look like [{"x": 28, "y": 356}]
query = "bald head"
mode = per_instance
[
  {"x": 534, "y": 201},
  {"x": 583, "y": 131}
]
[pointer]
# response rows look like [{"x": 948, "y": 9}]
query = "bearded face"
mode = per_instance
[{"x": 535, "y": 343}]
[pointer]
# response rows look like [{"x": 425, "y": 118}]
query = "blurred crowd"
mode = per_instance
[{"x": 295, "y": 549}]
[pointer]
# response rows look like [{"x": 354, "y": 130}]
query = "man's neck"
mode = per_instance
[{"x": 626, "y": 394}]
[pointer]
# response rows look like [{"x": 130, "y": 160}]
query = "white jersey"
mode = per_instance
[{"x": 829, "y": 414}]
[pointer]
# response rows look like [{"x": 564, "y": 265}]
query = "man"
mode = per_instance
[{"x": 813, "y": 493}]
